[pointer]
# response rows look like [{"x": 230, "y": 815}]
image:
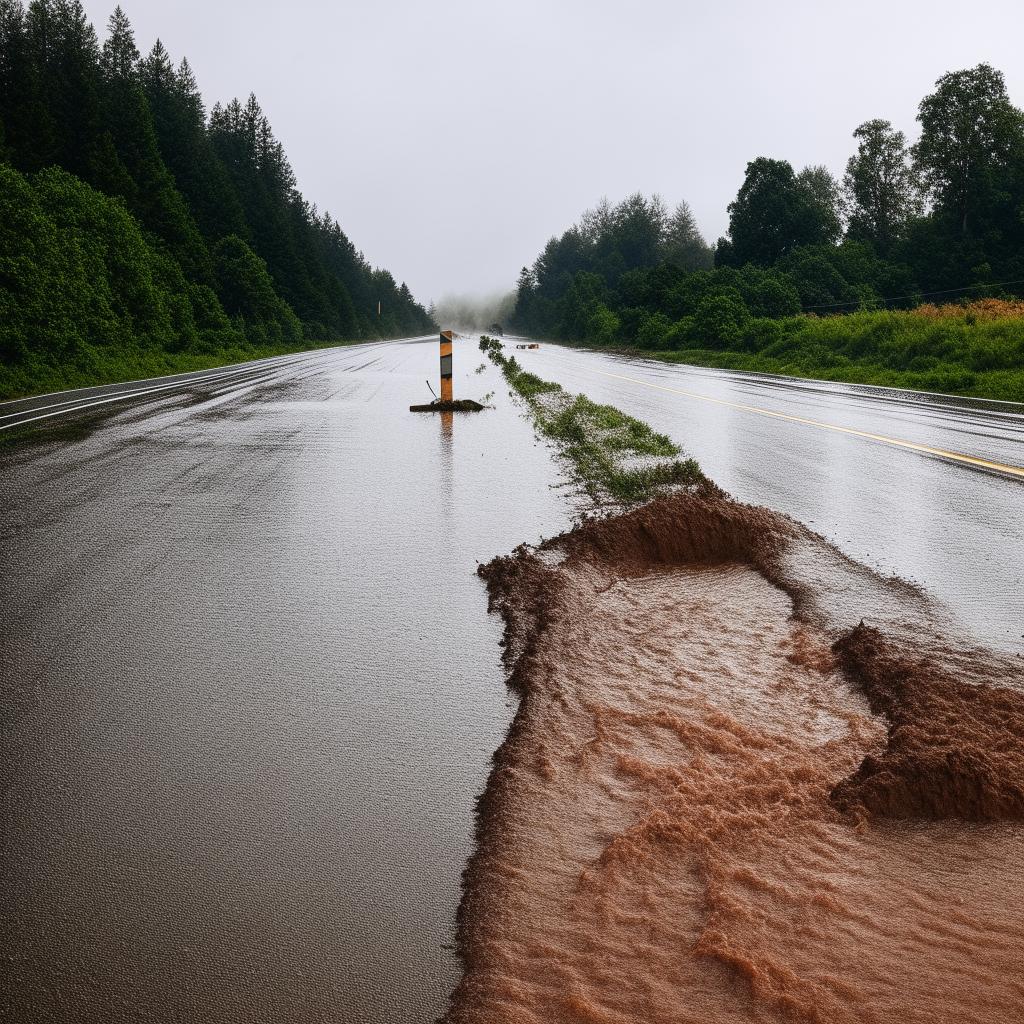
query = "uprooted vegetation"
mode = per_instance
[{"x": 616, "y": 458}]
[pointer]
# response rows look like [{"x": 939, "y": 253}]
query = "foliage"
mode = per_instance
[
  {"x": 594, "y": 262},
  {"x": 882, "y": 188},
  {"x": 603, "y": 326},
  {"x": 971, "y": 134},
  {"x": 943, "y": 218},
  {"x": 973, "y": 349},
  {"x": 720, "y": 317},
  {"x": 248, "y": 295},
  {"x": 777, "y": 211},
  {"x": 132, "y": 221},
  {"x": 76, "y": 272}
]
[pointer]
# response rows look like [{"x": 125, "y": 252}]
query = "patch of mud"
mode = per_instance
[
  {"x": 724, "y": 799},
  {"x": 955, "y": 749}
]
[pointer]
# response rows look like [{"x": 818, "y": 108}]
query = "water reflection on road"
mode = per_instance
[{"x": 251, "y": 690}]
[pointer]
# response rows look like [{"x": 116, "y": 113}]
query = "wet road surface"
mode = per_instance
[
  {"x": 250, "y": 688},
  {"x": 953, "y": 527}
]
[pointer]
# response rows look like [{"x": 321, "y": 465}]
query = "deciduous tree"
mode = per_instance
[
  {"x": 881, "y": 186},
  {"x": 970, "y": 132}
]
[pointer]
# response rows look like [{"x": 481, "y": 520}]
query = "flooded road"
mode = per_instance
[
  {"x": 250, "y": 689},
  {"x": 952, "y": 527}
]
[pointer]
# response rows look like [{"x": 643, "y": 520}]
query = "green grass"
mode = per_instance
[
  {"x": 950, "y": 379},
  {"x": 614, "y": 457},
  {"x": 974, "y": 350}
]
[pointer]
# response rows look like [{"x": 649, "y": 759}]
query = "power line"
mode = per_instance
[{"x": 917, "y": 295}]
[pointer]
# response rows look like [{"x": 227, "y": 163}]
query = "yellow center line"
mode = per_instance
[{"x": 970, "y": 460}]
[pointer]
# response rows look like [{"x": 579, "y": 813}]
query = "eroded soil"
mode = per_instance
[{"x": 724, "y": 798}]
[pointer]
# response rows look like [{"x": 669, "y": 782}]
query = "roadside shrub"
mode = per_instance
[
  {"x": 603, "y": 326},
  {"x": 719, "y": 319},
  {"x": 773, "y": 296},
  {"x": 760, "y": 332},
  {"x": 247, "y": 294},
  {"x": 679, "y": 334},
  {"x": 653, "y": 329}
]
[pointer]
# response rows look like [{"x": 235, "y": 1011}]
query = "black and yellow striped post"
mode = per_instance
[
  {"x": 446, "y": 404},
  {"x": 446, "y": 365}
]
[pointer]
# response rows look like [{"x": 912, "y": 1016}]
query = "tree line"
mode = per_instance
[
  {"x": 130, "y": 217},
  {"x": 942, "y": 217}
]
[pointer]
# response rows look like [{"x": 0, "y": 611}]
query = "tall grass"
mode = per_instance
[{"x": 974, "y": 349}]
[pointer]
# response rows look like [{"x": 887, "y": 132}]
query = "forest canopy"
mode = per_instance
[
  {"x": 135, "y": 225},
  {"x": 942, "y": 220}
]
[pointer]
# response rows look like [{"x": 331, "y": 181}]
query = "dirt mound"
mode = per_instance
[
  {"x": 955, "y": 748},
  {"x": 722, "y": 799},
  {"x": 683, "y": 529}
]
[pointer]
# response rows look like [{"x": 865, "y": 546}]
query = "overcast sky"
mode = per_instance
[{"x": 451, "y": 139}]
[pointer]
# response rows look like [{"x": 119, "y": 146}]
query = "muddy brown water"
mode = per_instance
[
  {"x": 251, "y": 691},
  {"x": 701, "y": 813}
]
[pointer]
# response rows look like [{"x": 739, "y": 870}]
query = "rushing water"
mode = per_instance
[
  {"x": 250, "y": 692},
  {"x": 706, "y": 811}
]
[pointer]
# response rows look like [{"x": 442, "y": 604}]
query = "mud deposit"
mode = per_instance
[{"x": 723, "y": 798}]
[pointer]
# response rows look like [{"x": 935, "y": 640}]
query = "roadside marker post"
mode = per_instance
[
  {"x": 447, "y": 338},
  {"x": 447, "y": 404}
]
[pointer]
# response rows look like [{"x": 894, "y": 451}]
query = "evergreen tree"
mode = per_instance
[
  {"x": 29, "y": 129},
  {"x": 151, "y": 194},
  {"x": 65, "y": 56},
  {"x": 202, "y": 240},
  {"x": 683, "y": 243},
  {"x": 179, "y": 120}
]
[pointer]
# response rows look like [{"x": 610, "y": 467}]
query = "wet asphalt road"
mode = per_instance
[
  {"x": 955, "y": 528},
  {"x": 250, "y": 689}
]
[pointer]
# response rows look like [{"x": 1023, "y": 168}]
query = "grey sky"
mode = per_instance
[{"x": 452, "y": 138}]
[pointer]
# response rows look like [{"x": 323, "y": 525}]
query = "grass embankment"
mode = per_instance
[
  {"x": 615, "y": 457},
  {"x": 975, "y": 349}
]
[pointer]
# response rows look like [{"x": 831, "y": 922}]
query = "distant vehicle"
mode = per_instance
[{"x": 532, "y": 344}]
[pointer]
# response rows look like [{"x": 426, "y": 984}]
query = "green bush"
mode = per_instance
[
  {"x": 893, "y": 348},
  {"x": 603, "y": 326},
  {"x": 758, "y": 333},
  {"x": 75, "y": 271},
  {"x": 654, "y": 327},
  {"x": 679, "y": 333},
  {"x": 247, "y": 294},
  {"x": 720, "y": 319}
]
